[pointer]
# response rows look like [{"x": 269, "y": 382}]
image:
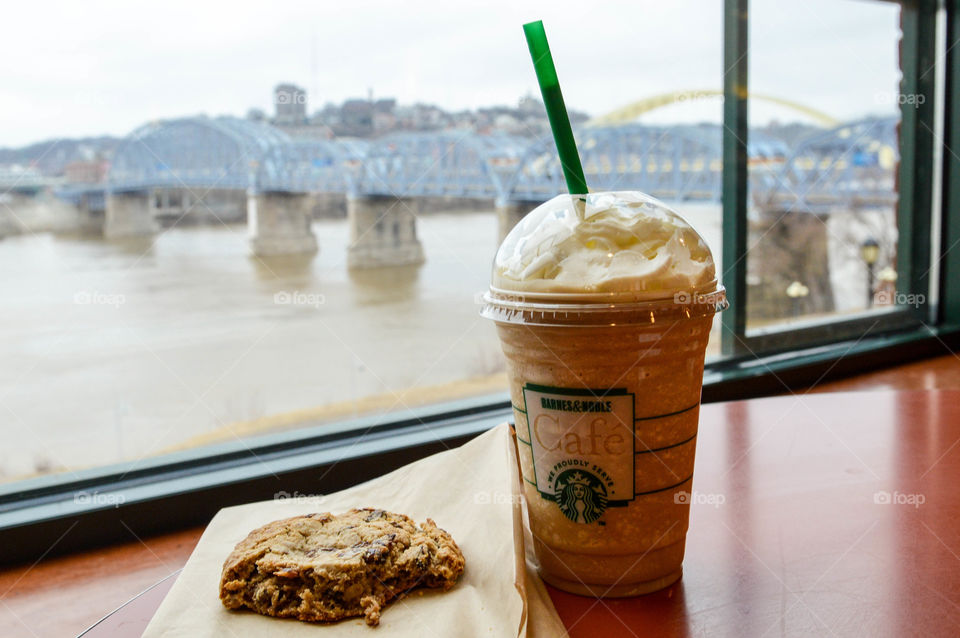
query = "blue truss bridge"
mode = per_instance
[
  {"x": 232, "y": 169},
  {"x": 849, "y": 165}
]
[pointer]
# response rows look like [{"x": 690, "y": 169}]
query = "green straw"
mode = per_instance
[{"x": 556, "y": 110}]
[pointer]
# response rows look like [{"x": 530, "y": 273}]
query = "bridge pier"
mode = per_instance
[
  {"x": 279, "y": 224},
  {"x": 128, "y": 215},
  {"x": 383, "y": 232},
  {"x": 509, "y": 212},
  {"x": 90, "y": 215},
  {"x": 185, "y": 206}
]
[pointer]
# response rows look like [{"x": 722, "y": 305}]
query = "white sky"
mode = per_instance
[{"x": 86, "y": 68}]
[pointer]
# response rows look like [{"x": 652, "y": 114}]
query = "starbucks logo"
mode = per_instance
[{"x": 581, "y": 495}]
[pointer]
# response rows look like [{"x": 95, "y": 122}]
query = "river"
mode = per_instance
[{"x": 117, "y": 350}]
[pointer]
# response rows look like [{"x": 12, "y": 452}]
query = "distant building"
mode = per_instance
[
  {"x": 422, "y": 117},
  {"x": 92, "y": 171},
  {"x": 370, "y": 118},
  {"x": 356, "y": 118},
  {"x": 256, "y": 115},
  {"x": 384, "y": 119},
  {"x": 328, "y": 115},
  {"x": 531, "y": 106},
  {"x": 290, "y": 104},
  {"x": 385, "y": 105}
]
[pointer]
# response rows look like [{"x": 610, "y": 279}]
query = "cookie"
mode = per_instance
[{"x": 324, "y": 568}]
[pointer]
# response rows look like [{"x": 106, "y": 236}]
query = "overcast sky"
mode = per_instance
[{"x": 87, "y": 68}]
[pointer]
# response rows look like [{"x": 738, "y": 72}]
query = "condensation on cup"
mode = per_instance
[{"x": 603, "y": 304}]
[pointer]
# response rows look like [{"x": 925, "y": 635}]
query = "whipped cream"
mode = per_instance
[{"x": 612, "y": 242}]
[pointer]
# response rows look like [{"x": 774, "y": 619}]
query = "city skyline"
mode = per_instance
[{"x": 90, "y": 73}]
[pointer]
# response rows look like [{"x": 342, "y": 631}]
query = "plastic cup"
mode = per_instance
[{"x": 606, "y": 396}]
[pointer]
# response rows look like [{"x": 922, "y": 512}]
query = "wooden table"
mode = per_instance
[{"x": 831, "y": 514}]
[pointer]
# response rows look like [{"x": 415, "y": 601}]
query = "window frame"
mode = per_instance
[
  {"x": 948, "y": 311},
  {"x": 915, "y": 204},
  {"x": 48, "y": 515}
]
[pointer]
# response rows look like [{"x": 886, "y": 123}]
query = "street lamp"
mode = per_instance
[
  {"x": 887, "y": 275},
  {"x": 797, "y": 291},
  {"x": 888, "y": 285},
  {"x": 870, "y": 252}
]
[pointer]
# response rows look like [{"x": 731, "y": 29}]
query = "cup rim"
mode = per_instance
[{"x": 603, "y": 309}]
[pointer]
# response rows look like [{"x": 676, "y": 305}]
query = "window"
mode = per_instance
[
  {"x": 830, "y": 213},
  {"x": 267, "y": 334},
  {"x": 822, "y": 187},
  {"x": 372, "y": 215}
]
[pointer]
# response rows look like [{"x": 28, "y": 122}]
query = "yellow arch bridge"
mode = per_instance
[{"x": 633, "y": 111}]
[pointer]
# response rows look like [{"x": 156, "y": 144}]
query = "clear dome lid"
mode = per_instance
[
  {"x": 621, "y": 245},
  {"x": 603, "y": 259}
]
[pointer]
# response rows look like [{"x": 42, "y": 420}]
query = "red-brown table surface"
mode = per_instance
[{"x": 813, "y": 515}]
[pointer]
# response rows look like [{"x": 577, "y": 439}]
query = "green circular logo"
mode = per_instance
[{"x": 581, "y": 496}]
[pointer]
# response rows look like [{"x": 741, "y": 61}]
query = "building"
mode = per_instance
[
  {"x": 93, "y": 171},
  {"x": 290, "y": 104},
  {"x": 356, "y": 118}
]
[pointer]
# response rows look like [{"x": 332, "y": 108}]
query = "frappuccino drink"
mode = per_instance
[{"x": 603, "y": 304}]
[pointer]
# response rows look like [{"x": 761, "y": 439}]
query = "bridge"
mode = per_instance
[
  {"x": 632, "y": 111},
  {"x": 166, "y": 168},
  {"x": 23, "y": 181},
  {"x": 849, "y": 167}
]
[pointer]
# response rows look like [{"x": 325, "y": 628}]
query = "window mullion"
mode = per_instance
[
  {"x": 918, "y": 62},
  {"x": 950, "y": 211},
  {"x": 734, "y": 259}
]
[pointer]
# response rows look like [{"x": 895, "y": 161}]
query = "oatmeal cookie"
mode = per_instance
[{"x": 322, "y": 567}]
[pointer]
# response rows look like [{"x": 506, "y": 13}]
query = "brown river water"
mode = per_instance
[{"x": 112, "y": 351}]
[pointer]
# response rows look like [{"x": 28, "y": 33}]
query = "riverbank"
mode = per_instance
[{"x": 378, "y": 404}]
